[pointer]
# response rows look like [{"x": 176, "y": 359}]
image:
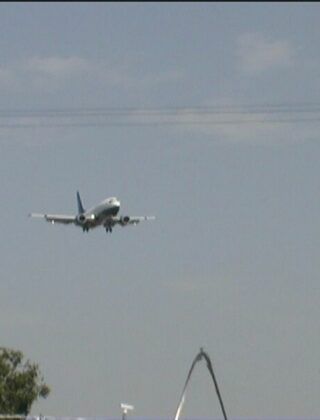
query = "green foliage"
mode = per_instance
[{"x": 21, "y": 383}]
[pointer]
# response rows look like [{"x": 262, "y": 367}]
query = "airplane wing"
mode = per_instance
[
  {"x": 130, "y": 220},
  {"x": 137, "y": 219},
  {"x": 55, "y": 218}
]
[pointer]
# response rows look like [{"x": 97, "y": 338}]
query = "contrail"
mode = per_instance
[{"x": 200, "y": 355}]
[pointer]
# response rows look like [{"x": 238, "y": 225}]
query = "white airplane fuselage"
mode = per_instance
[{"x": 100, "y": 214}]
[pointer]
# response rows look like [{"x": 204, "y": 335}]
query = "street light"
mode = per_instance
[{"x": 125, "y": 408}]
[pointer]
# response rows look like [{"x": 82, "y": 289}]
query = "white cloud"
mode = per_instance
[
  {"x": 57, "y": 66},
  {"x": 49, "y": 73},
  {"x": 43, "y": 73},
  {"x": 133, "y": 77},
  {"x": 6, "y": 76},
  {"x": 257, "y": 54}
]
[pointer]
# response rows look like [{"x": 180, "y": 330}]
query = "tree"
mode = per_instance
[{"x": 21, "y": 383}]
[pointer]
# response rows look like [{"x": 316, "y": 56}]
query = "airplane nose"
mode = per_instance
[
  {"x": 116, "y": 206},
  {"x": 116, "y": 209}
]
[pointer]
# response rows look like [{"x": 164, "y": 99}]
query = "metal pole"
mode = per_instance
[{"x": 199, "y": 356}]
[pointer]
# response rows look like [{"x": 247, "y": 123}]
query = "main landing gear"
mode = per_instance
[{"x": 108, "y": 229}]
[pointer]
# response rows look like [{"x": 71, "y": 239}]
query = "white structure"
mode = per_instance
[{"x": 125, "y": 408}]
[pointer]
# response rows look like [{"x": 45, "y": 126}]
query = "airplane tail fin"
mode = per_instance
[{"x": 81, "y": 210}]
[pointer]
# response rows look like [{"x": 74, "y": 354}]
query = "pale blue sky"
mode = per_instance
[{"x": 231, "y": 263}]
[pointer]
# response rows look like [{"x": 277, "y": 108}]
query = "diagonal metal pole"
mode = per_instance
[{"x": 200, "y": 355}]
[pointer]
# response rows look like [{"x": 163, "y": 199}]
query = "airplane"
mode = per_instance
[{"x": 104, "y": 214}]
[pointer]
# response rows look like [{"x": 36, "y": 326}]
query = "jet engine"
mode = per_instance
[
  {"x": 82, "y": 219},
  {"x": 124, "y": 220}
]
